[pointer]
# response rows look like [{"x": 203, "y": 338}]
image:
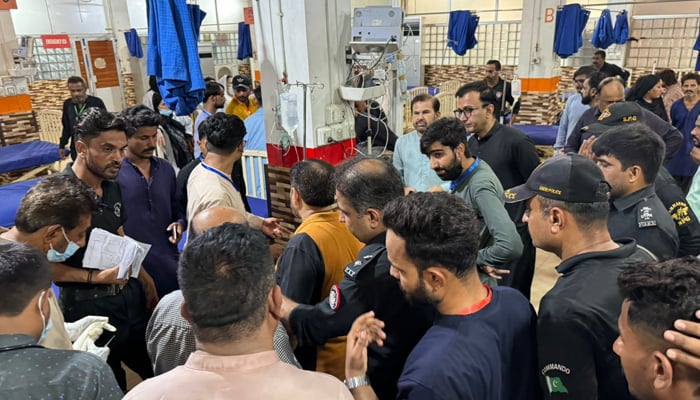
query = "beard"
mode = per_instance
[
  {"x": 418, "y": 296},
  {"x": 79, "y": 100},
  {"x": 452, "y": 172},
  {"x": 105, "y": 172},
  {"x": 586, "y": 100}
]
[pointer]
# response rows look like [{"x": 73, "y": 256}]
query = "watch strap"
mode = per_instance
[{"x": 356, "y": 381}]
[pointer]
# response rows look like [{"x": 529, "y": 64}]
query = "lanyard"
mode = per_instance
[
  {"x": 465, "y": 175},
  {"x": 77, "y": 113},
  {"x": 221, "y": 174},
  {"x": 479, "y": 305}
]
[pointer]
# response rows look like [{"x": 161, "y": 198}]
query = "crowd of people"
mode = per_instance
[{"x": 407, "y": 278}]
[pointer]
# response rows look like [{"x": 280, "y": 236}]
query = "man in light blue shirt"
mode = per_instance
[
  {"x": 573, "y": 109},
  {"x": 214, "y": 99},
  {"x": 256, "y": 139},
  {"x": 413, "y": 166}
]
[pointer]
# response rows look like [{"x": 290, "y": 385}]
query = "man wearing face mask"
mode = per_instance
[
  {"x": 28, "y": 369},
  {"x": 240, "y": 105},
  {"x": 73, "y": 107},
  {"x": 53, "y": 217}
]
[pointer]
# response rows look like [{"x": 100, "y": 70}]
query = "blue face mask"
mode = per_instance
[
  {"x": 46, "y": 325},
  {"x": 166, "y": 113},
  {"x": 54, "y": 256}
]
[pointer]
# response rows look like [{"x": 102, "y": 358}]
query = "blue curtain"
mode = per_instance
[
  {"x": 697, "y": 47},
  {"x": 133, "y": 43},
  {"x": 245, "y": 44},
  {"x": 197, "y": 16},
  {"x": 461, "y": 31},
  {"x": 172, "y": 53},
  {"x": 568, "y": 30},
  {"x": 622, "y": 29},
  {"x": 603, "y": 35}
]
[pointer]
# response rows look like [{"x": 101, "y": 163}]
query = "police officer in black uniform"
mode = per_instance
[
  {"x": 363, "y": 187},
  {"x": 630, "y": 157}
]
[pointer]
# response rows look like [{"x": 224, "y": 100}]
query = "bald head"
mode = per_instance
[
  {"x": 213, "y": 217},
  {"x": 368, "y": 183},
  {"x": 611, "y": 91}
]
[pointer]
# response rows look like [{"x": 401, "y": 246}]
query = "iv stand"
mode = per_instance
[{"x": 305, "y": 87}]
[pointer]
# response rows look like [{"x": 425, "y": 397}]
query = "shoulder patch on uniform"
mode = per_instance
[
  {"x": 367, "y": 254},
  {"x": 334, "y": 298},
  {"x": 645, "y": 217},
  {"x": 679, "y": 213}
]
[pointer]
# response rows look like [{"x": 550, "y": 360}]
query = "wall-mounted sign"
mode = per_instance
[
  {"x": 247, "y": 15},
  {"x": 55, "y": 41},
  {"x": 12, "y": 5}
]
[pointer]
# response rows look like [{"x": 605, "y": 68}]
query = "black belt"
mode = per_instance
[{"x": 88, "y": 292}]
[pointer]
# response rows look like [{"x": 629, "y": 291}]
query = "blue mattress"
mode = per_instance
[
  {"x": 11, "y": 195},
  {"x": 542, "y": 135},
  {"x": 27, "y": 155}
]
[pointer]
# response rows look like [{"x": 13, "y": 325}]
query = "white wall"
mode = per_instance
[{"x": 59, "y": 16}]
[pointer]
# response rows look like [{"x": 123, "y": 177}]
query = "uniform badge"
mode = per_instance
[
  {"x": 118, "y": 210},
  {"x": 646, "y": 218},
  {"x": 679, "y": 213},
  {"x": 334, "y": 298}
]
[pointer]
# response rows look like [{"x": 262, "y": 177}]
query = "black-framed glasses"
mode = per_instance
[{"x": 467, "y": 111}]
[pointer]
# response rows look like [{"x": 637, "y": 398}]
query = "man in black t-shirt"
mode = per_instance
[{"x": 100, "y": 144}]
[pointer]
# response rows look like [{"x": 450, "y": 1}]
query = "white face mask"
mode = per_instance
[
  {"x": 229, "y": 89},
  {"x": 45, "y": 325}
]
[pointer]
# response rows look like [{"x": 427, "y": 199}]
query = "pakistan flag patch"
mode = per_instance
[{"x": 555, "y": 385}]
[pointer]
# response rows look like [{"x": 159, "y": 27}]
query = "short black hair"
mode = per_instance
[
  {"x": 448, "y": 131},
  {"x": 212, "y": 89},
  {"x": 585, "y": 70},
  {"x": 156, "y": 99},
  {"x": 633, "y": 144},
  {"x": 24, "y": 272},
  {"x": 58, "y": 199},
  {"x": 313, "y": 179},
  {"x": 76, "y": 79},
  {"x": 426, "y": 97},
  {"x": 661, "y": 292},
  {"x": 257, "y": 92},
  {"x": 368, "y": 182},
  {"x": 494, "y": 62},
  {"x": 595, "y": 78},
  {"x": 226, "y": 274},
  {"x": 586, "y": 215},
  {"x": 691, "y": 75},
  {"x": 138, "y": 117},
  {"x": 439, "y": 229},
  {"x": 93, "y": 121},
  {"x": 600, "y": 53},
  {"x": 153, "y": 83},
  {"x": 668, "y": 76},
  {"x": 486, "y": 95},
  {"x": 224, "y": 133}
]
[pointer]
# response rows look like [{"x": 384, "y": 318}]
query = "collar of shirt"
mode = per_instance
[
  {"x": 379, "y": 239},
  {"x": 16, "y": 340},
  {"x": 494, "y": 129},
  {"x": 153, "y": 168},
  {"x": 203, "y": 361},
  {"x": 634, "y": 198},
  {"x": 626, "y": 249}
]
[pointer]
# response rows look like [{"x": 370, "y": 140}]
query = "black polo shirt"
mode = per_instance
[
  {"x": 511, "y": 154},
  {"x": 577, "y": 326},
  {"x": 110, "y": 215},
  {"x": 643, "y": 217}
]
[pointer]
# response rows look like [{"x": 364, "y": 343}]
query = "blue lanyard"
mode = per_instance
[
  {"x": 465, "y": 175},
  {"x": 221, "y": 174}
]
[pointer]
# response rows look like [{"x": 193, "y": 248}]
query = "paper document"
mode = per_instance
[{"x": 106, "y": 250}]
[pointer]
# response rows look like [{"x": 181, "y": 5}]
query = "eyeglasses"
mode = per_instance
[{"x": 467, "y": 111}]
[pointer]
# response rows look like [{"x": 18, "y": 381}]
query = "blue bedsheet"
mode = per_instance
[
  {"x": 11, "y": 195},
  {"x": 542, "y": 135},
  {"x": 27, "y": 155}
]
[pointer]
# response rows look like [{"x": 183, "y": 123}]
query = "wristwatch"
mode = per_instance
[{"x": 356, "y": 381}]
